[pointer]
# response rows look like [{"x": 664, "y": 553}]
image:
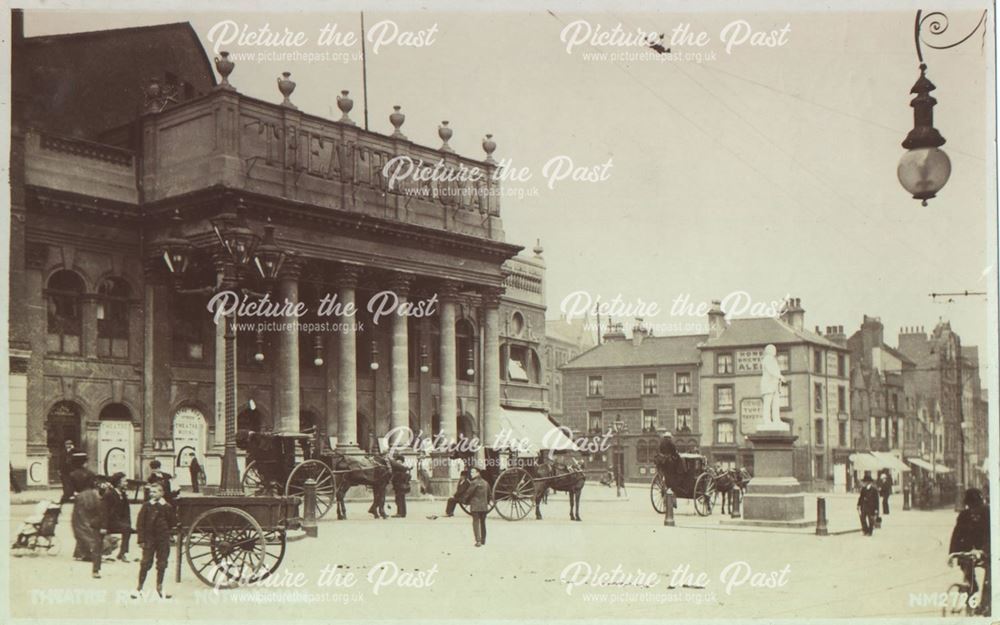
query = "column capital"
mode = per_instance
[
  {"x": 347, "y": 276},
  {"x": 491, "y": 296},
  {"x": 292, "y": 268},
  {"x": 448, "y": 290},
  {"x": 400, "y": 283}
]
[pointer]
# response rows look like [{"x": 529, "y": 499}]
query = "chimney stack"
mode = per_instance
[
  {"x": 794, "y": 314},
  {"x": 716, "y": 320},
  {"x": 614, "y": 333},
  {"x": 639, "y": 332}
]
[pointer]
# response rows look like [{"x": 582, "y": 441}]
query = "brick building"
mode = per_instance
[
  {"x": 815, "y": 401},
  {"x": 648, "y": 384}
]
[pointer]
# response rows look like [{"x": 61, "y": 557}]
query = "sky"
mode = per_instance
[{"x": 768, "y": 171}]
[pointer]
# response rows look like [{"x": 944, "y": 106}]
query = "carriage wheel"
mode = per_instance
[
  {"x": 704, "y": 494},
  {"x": 514, "y": 494},
  {"x": 326, "y": 486},
  {"x": 252, "y": 482},
  {"x": 226, "y": 547},
  {"x": 52, "y": 546},
  {"x": 656, "y": 494}
]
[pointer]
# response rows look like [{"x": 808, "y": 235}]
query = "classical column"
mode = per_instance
[
  {"x": 400, "y": 285},
  {"x": 347, "y": 418},
  {"x": 286, "y": 370},
  {"x": 491, "y": 365},
  {"x": 447, "y": 293}
]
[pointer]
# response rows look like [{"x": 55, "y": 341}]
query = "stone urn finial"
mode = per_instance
[
  {"x": 345, "y": 104},
  {"x": 225, "y": 67},
  {"x": 489, "y": 146},
  {"x": 396, "y": 118},
  {"x": 286, "y": 86},
  {"x": 445, "y": 133}
]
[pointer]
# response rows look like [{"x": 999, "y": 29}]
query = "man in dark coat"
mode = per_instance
[
  {"x": 884, "y": 490},
  {"x": 868, "y": 505},
  {"x": 459, "y": 496},
  {"x": 118, "y": 513},
  {"x": 66, "y": 466},
  {"x": 971, "y": 533},
  {"x": 477, "y": 497},
  {"x": 156, "y": 521},
  {"x": 89, "y": 522},
  {"x": 400, "y": 483},
  {"x": 197, "y": 474}
]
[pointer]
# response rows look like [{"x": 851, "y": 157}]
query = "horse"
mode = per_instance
[
  {"x": 559, "y": 477},
  {"x": 731, "y": 485},
  {"x": 354, "y": 470}
]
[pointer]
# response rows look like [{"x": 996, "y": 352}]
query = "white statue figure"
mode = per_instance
[{"x": 770, "y": 392}]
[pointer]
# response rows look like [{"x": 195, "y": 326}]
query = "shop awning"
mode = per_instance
[
  {"x": 928, "y": 466},
  {"x": 890, "y": 461},
  {"x": 530, "y": 431}
]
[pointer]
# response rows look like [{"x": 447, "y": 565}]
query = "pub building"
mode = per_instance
[{"x": 142, "y": 185}]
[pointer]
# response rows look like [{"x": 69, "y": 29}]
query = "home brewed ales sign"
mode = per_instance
[{"x": 748, "y": 360}]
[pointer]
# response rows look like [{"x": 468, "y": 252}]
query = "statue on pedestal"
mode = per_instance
[{"x": 770, "y": 391}]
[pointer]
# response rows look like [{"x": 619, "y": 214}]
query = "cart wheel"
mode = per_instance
[
  {"x": 704, "y": 492},
  {"x": 656, "y": 494},
  {"x": 493, "y": 505},
  {"x": 326, "y": 486},
  {"x": 274, "y": 553},
  {"x": 514, "y": 494},
  {"x": 252, "y": 482},
  {"x": 226, "y": 547}
]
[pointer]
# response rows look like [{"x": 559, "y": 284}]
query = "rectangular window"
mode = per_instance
[
  {"x": 842, "y": 433},
  {"x": 783, "y": 361},
  {"x": 682, "y": 384},
  {"x": 818, "y": 468},
  {"x": 649, "y": 384},
  {"x": 841, "y": 365},
  {"x": 594, "y": 422},
  {"x": 649, "y": 423},
  {"x": 725, "y": 433},
  {"x": 724, "y": 399},
  {"x": 683, "y": 419},
  {"x": 841, "y": 399},
  {"x": 723, "y": 363},
  {"x": 818, "y": 397},
  {"x": 817, "y": 361},
  {"x": 595, "y": 386},
  {"x": 785, "y": 394},
  {"x": 818, "y": 427}
]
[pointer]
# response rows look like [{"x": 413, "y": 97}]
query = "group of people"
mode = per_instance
[{"x": 102, "y": 518}]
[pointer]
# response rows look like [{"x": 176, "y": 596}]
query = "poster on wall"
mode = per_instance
[{"x": 115, "y": 447}]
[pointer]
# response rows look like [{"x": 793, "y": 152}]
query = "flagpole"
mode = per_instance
[{"x": 364, "y": 69}]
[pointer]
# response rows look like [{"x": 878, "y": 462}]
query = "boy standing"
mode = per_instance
[
  {"x": 156, "y": 519},
  {"x": 477, "y": 497}
]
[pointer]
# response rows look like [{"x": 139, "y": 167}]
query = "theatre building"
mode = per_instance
[
  {"x": 815, "y": 400},
  {"x": 144, "y": 183}
]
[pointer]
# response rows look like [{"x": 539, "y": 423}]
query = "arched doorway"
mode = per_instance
[
  {"x": 62, "y": 424},
  {"x": 116, "y": 441},
  {"x": 190, "y": 441},
  {"x": 467, "y": 426}
]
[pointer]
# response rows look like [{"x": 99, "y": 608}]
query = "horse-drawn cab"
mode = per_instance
[
  {"x": 279, "y": 463},
  {"x": 688, "y": 477}
]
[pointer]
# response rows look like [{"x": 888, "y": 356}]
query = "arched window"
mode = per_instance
[
  {"x": 65, "y": 317},
  {"x": 465, "y": 350},
  {"x": 116, "y": 412},
  {"x": 112, "y": 318}
]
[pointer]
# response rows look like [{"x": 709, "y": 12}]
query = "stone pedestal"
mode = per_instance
[
  {"x": 442, "y": 481},
  {"x": 774, "y": 496}
]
